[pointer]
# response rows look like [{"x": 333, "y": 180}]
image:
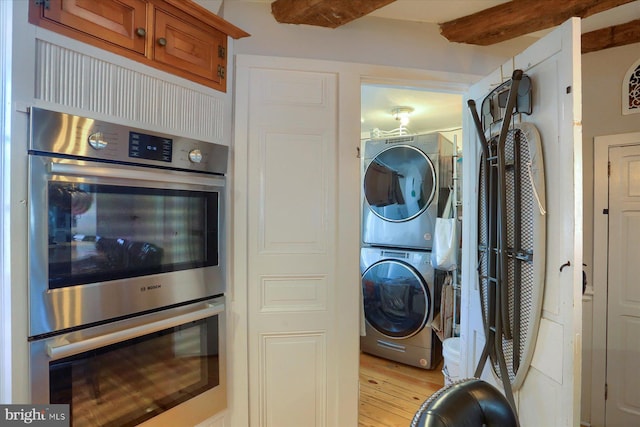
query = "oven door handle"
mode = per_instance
[
  {"x": 58, "y": 349},
  {"x": 136, "y": 174}
]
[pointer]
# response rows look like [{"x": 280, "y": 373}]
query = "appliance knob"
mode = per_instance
[
  {"x": 195, "y": 156},
  {"x": 96, "y": 141}
]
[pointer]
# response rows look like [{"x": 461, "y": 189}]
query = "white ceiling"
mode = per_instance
[
  {"x": 432, "y": 111},
  {"x": 433, "y": 11},
  {"x": 438, "y": 11}
]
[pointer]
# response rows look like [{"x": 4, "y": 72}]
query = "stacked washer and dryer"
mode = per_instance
[{"x": 406, "y": 182}]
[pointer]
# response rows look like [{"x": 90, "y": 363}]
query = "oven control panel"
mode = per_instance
[
  {"x": 60, "y": 134},
  {"x": 150, "y": 147}
]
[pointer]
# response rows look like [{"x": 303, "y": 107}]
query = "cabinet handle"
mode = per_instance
[
  {"x": 141, "y": 32},
  {"x": 162, "y": 41}
]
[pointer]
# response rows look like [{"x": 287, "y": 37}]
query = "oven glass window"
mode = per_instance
[
  {"x": 105, "y": 232},
  {"x": 127, "y": 383}
]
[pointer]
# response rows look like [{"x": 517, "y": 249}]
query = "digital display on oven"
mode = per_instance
[{"x": 150, "y": 147}]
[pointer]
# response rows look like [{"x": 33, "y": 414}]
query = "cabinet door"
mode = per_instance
[
  {"x": 189, "y": 47},
  {"x": 121, "y": 22}
]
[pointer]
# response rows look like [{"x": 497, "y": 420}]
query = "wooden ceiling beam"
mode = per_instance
[
  {"x": 618, "y": 35},
  {"x": 517, "y": 18},
  {"x": 323, "y": 13}
]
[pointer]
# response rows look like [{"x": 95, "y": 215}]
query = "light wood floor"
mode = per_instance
[{"x": 391, "y": 393}]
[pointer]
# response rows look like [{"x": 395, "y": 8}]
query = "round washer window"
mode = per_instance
[
  {"x": 396, "y": 300},
  {"x": 399, "y": 183}
]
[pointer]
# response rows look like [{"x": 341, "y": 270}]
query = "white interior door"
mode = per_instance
[
  {"x": 623, "y": 311},
  {"x": 295, "y": 248},
  {"x": 550, "y": 393},
  {"x": 292, "y": 194}
]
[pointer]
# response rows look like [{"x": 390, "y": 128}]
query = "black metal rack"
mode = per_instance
[{"x": 501, "y": 255}]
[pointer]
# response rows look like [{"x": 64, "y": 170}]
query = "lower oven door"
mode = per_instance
[{"x": 164, "y": 368}]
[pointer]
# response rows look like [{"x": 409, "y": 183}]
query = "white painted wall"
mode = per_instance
[
  {"x": 602, "y": 76},
  {"x": 368, "y": 40}
]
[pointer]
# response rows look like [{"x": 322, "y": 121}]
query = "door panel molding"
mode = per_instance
[
  {"x": 300, "y": 398},
  {"x": 598, "y": 288}
]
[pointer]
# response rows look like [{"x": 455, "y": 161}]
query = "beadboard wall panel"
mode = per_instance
[{"x": 73, "y": 79}]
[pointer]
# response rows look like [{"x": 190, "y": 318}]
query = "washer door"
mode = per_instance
[
  {"x": 399, "y": 183},
  {"x": 396, "y": 299}
]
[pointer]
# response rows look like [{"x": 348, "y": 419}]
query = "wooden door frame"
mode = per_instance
[{"x": 599, "y": 286}]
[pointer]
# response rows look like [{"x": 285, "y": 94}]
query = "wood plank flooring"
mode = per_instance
[{"x": 391, "y": 393}]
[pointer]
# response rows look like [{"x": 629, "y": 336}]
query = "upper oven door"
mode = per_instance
[{"x": 109, "y": 240}]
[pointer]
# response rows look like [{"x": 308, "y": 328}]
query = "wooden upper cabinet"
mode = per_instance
[
  {"x": 177, "y": 36},
  {"x": 121, "y": 22},
  {"x": 188, "y": 48}
]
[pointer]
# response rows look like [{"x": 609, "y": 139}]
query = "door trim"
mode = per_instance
[
  {"x": 598, "y": 286},
  {"x": 351, "y": 76},
  {"x": 6, "y": 9}
]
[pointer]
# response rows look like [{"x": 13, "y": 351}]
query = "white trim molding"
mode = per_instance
[
  {"x": 6, "y": 29},
  {"x": 602, "y": 145},
  {"x": 68, "y": 78}
]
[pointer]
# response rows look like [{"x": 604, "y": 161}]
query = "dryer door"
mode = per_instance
[
  {"x": 396, "y": 299},
  {"x": 399, "y": 183}
]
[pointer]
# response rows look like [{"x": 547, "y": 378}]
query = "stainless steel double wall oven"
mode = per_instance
[{"x": 126, "y": 271}]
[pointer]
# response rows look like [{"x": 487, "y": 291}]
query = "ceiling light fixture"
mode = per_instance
[{"x": 402, "y": 114}]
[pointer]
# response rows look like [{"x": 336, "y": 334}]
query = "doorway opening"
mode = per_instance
[{"x": 416, "y": 131}]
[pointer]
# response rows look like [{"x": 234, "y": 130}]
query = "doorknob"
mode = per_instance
[{"x": 162, "y": 41}]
